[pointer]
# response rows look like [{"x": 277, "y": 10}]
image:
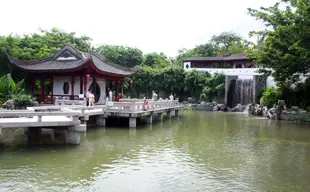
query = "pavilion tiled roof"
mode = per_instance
[
  {"x": 73, "y": 61},
  {"x": 233, "y": 57}
]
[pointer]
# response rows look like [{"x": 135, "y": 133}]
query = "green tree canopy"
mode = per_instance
[
  {"x": 38, "y": 46},
  {"x": 214, "y": 87},
  {"x": 156, "y": 60},
  {"x": 195, "y": 82},
  {"x": 284, "y": 46},
  {"x": 226, "y": 43},
  {"x": 126, "y": 56}
]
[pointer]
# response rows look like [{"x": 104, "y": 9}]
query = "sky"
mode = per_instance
[{"x": 150, "y": 25}]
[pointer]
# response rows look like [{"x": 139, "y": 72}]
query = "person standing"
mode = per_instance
[
  {"x": 154, "y": 96},
  {"x": 171, "y": 97},
  {"x": 91, "y": 99},
  {"x": 110, "y": 95}
]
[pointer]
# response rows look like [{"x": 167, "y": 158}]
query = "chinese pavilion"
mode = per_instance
[{"x": 71, "y": 73}]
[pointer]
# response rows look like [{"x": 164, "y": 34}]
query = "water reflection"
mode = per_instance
[{"x": 198, "y": 152}]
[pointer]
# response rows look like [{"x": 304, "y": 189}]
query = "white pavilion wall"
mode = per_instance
[{"x": 59, "y": 83}]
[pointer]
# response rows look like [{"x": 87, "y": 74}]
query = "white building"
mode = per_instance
[{"x": 234, "y": 65}]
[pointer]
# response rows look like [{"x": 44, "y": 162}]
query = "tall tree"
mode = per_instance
[
  {"x": 37, "y": 46},
  {"x": 229, "y": 43},
  {"x": 203, "y": 50},
  {"x": 195, "y": 82},
  {"x": 126, "y": 56},
  {"x": 156, "y": 60},
  {"x": 284, "y": 46}
]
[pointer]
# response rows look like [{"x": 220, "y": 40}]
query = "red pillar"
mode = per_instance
[
  {"x": 72, "y": 87},
  {"x": 53, "y": 87},
  {"x": 85, "y": 84},
  {"x": 42, "y": 90},
  {"x": 31, "y": 84},
  {"x": 122, "y": 87}
]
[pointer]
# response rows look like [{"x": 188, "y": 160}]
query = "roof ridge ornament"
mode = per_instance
[{"x": 68, "y": 53}]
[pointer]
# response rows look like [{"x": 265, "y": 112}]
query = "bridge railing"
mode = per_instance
[
  {"x": 81, "y": 109},
  {"x": 140, "y": 106},
  {"x": 30, "y": 114}
]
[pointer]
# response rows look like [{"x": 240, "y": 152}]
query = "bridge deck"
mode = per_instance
[{"x": 68, "y": 115}]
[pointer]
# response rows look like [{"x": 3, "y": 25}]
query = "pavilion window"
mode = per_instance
[
  {"x": 81, "y": 85},
  {"x": 66, "y": 88}
]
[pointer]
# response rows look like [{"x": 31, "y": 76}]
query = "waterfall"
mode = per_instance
[{"x": 243, "y": 93}]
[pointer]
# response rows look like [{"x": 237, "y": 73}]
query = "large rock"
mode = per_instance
[
  {"x": 220, "y": 107},
  {"x": 256, "y": 109},
  {"x": 238, "y": 108},
  {"x": 35, "y": 103},
  {"x": 9, "y": 104},
  {"x": 190, "y": 100}
]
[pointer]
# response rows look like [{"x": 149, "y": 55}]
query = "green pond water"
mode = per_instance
[{"x": 200, "y": 151}]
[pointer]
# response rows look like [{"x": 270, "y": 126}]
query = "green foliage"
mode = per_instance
[
  {"x": 214, "y": 87},
  {"x": 284, "y": 47},
  {"x": 229, "y": 43},
  {"x": 141, "y": 96},
  {"x": 308, "y": 108},
  {"x": 301, "y": 116},
  {"x": 226, "y": 43},
  {"x": 8, "y": 87},
  {"x": 23, "y": 100},
  {"x": 126, "y": 56},
  {"x": 271, "y": 96},
  {"x": 169, "y": 79},
  {"x": 156, "y": 60},
  {"x": 195, "y": 82},
  {"x": 188, "y": 108}
]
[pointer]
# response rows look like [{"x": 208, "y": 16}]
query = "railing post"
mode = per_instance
[
  {"x": 75, "y": 118},
  {"x": 83, "y": 111},
  {"x": 39, "y": 118},
  {"x": 133, "y": 106}
]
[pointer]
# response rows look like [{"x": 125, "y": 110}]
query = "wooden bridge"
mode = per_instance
[{"x": 73, "y": 118}]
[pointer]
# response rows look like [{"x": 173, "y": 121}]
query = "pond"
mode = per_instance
[{"x": 202, "y": 151}]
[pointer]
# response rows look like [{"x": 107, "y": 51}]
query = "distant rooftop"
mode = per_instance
[{"x": 233, "y": 57}]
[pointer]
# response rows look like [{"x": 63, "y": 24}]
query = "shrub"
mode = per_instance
[
  {"x": 23, "y": 100},
  {"x": 203, "y": 97},
  {"x": 271, "y": 96},
  {"x": 301, "y": 116}
]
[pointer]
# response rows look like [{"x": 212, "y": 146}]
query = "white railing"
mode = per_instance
[
  {"x": 30, "y": 114},
  {"x": 140, "y": 106},
  {"x": 229, "y": 71},
  {"x": 69, "y": 102}
]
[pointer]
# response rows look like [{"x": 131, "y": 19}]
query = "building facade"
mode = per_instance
[
  {"x": 234, "y": 65},
  {"x": 70, "y": 73}
]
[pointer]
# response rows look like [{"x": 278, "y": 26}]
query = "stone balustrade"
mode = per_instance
[{"x": 140, "y": 106}]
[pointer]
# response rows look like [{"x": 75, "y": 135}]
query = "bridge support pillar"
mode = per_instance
[
  {"x": 132, "y": 122},
  {"x": 159, "y": 117},
  {"x": 73, "y": 135},
  {"x": 34, "y": 135},
  {"x": 149, "y": 119},
  {"x": 0, "y": 132},
  {"x": 100, "y": 120},
  {"x": 169, "y": 114},
  {"x": 176, "y": 112},
  {"x": 60, "y": 135}
]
